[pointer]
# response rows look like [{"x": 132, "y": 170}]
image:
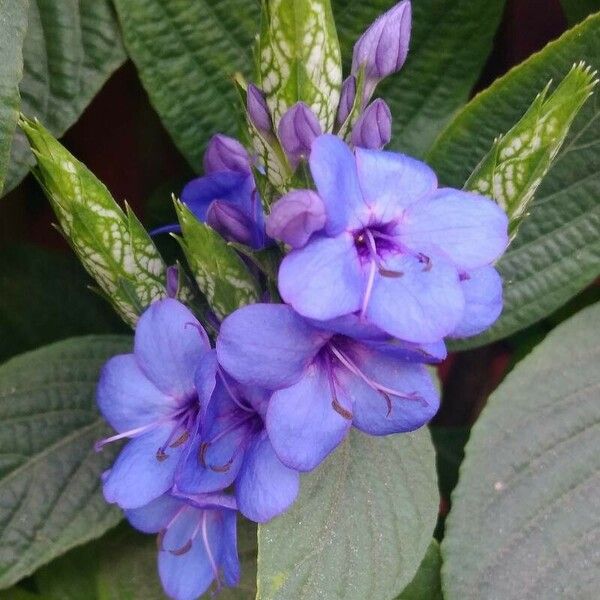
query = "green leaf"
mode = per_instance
[
  {"x": 578, "y": 10},
  {"x": 426, "y": 584},
  {"x": 186, "y": 53},
  {"x": 450, "y": 42},
  {"x": 18, "y": 593},
  {"x": 112, "y": 245},
  {"x": 219, "y": 271},
  {"x": 49, "y": 472},
  {"x": 526, "y": 513},
  {"x": 557, "y": 250},
  {"x": 71, "y": 48},
  {"x": 299, "y": 58},
  {"x": 513, "y": 169},
  {"x": 360, "y": 527},
  {"x": 44, "y": 299},
  {"x": 13, "y": 24}
]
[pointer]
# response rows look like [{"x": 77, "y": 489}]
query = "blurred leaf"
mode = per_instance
[
  {"x": 18, "y": 593},
  {"x": 112, "y": 245},
  {"x": 513, "y": 169},
  {"x": 578, "y": 10},
  {"x": 451, "y": 40},
  {"x": 557, "y": 250},
  {"x": 426, "y": 584},
  {"x": 186, "y": 53},
  {"x": 299, "y": 58},
  {"x": 71, "y": 48},
  {"x": 219, "y": 271},
  {"x": 361, "y": 525},
  {"x": 525, "y": 522},
  {"x": 44, "y": 298},
  {"x": 449, "y": 445},
  {"x": 13, "y": 24},
  {"x": 122, "y": 566},
  {"x": 49, "y": 472}
]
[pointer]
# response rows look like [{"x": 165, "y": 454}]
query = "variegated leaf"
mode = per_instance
[
  {"x": 219, "y": 272},
  {"x": 112, "y": 245},
  {"x": 515, "y": 166},
  {"x": 299, "y": 58}
]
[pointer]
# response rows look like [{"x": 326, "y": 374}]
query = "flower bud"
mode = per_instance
[
  {"x": 383, "y": 47},
  {"x": 224, "y": 153},
  {"x": 172, "y": 278},
  {"x": 258, "y": 111},
  {"x": 230, "y": 222},
  {"x": 347, "y": 96},
  {"x": 298, "y": 129},
  {"x": 295, "y": 217},
  {"x": 373, "y": 129}
]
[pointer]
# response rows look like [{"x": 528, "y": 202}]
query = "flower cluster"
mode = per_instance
[{"x": 378, "y": 266}]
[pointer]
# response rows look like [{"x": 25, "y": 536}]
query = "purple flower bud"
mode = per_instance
[
  {"x": 347, "y": 96},
  {"x": 383, "y": 47},
  {"x": 172, "y": 281},
  {"x": 295, "y": 217},
  {"x": 258, "y": 111},
  {"x": 224, "y": 153},
  {"x": 230, "y": 222},
  {"x": 298, "y": 129},
  {"x": 373, "y": 129}
]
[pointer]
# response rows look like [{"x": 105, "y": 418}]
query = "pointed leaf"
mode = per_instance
[
  {"x": 299, "y": 58},
  {"x": 70, "y": 50},
  {"x": 13, "y": 24},
  {"x": 557, "y": 250},
  {"x": 50, "y": 474},
  {"x": 525, "y": 520},
  {"x": 426, "y": 584},
  {"x": 361, "y": 525},
  {"x": 219, "y": 271},
  {"x": 112, "y": 245}
]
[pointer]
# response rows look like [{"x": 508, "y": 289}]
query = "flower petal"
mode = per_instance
[
  {"x": 126, "y": 398},
  {"x": 372, "y": 412},
  {"x": 390, "y": 182},
  {"x": 265, "y": 487},
  {"x": 323, "y": 280},
  {"x": 169, "y": 344},
  {"x": 483, "y": 301},
  {"x": 424, "y": 353},
  {"x": 138, "y": 477},
  {"x": 423, "y": 305},
  {"x": 302, "y": 424},
  {"x": 155, "y": 515},
  {"x": 333, "y": 168},
  {"x": 267, "y": 345},
  {"x": 469, "y": 229},
  {"x": 187, "y": 573},
  {"x": 229, "y": 555}
]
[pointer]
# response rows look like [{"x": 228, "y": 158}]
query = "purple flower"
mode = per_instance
[
  {"x": 224, "y": 153},
  {"x": 295, "y": 217},
  {"x": 347, "y": 96},
  {"x": 196, "y": 542},
  {"x": 383, "y": 47},
  {"x": 298, "y": 129},
  {"x": 258, "y": 111},
  {"x": 394, "y": 245},
  {"x": 150, "y": 396},
  {"x": 324, "y": 382},
  {"x": 373, "y": 129},
  {"x": 233, "y": 448}
]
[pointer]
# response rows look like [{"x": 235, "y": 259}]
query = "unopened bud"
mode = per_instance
[
  {"x": 298, "y": 129},
  {"x": 230, "y": 222},
  {"x": 373, "y": 129},
  {"x": 347, "y": 96},
  {"x": 225, "y": 153},
  {"x": 258, "y": 111}
]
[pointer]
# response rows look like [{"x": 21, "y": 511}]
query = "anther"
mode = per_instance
[
  {"x": 389, "y": 273},
  {"x": 159, "y": 539},
  {"x": 340, "y": 409},
  {"x": 424, "y": 260},
  {"x": 222, "y": 468},
  {"x": 202, "y": 453},
  {"x": 161, "y": 455},
  {"x": 182, "y": 439},
  {"x": 185, "y": 548}
]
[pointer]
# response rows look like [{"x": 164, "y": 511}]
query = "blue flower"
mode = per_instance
[
  {"x": 233, "y": 448},
  {"x": 150, "y": 396},
  {"x": 196, "y": 542},
  {"x": 324, "y": 381},
  {"x": 395, "y": 249}
]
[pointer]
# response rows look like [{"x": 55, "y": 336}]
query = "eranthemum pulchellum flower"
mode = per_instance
[
  {"x": 324, "y": 381},
  {"x": 150, "y": 397},
  {"x": 196, "y": 541},
  {"x": 233, "y": 448},
  {"x": 402, "y": 253}
]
